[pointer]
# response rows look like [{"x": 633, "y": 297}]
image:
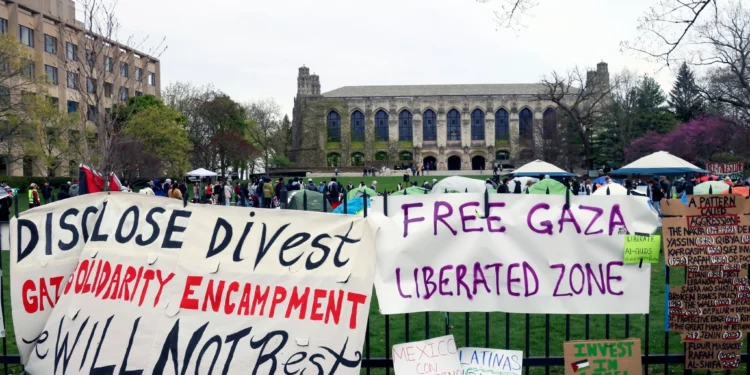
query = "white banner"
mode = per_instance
[
  {"x": 530, "y": 255},
  {"x": 166, "y": 289}
]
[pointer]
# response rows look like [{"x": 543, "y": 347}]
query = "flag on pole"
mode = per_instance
[
  {"x": 89, "y": 181},
  {"x": 114, "y": 182}
]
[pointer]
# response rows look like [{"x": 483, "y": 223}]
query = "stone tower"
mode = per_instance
[
  {"x": 598, "y": 80},
  {"x": 308, "y": 90},
  {"x": 307, "y": 85}
]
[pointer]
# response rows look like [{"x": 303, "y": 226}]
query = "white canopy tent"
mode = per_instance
[
  {"x": 201, "y": 172},
  {"x": 614, "y": 189},
  {"x": 457, "y": 184},
  {"x": 660, "y": 162},
  {"x": 538, "y": 167}
]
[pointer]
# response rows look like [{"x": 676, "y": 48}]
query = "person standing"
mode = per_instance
[
  {"x": 657, "y": 194},
  {"x": 336, "y": 172},
  {"x": 227, "y": 194},
  {"x": 503, "y": 187},
  {"x": 196, "y": 192},
  {"x": 268, "y": 193},
  {"x": 47, "y": 192},
  {"x": 33, "y": 196},
  {"x": 311, "y": 185},
  {"x": 5, "y": 203}
]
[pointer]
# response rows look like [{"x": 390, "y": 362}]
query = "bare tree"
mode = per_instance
[
  {"x": 188, "y": 100},
  {"x": 101, "y": 69},
  {"x": 582, "y": 99},
  {"x": 265, "y": 121}
]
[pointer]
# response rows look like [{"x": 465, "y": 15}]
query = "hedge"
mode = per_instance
[{"x": 22, "y": 183}]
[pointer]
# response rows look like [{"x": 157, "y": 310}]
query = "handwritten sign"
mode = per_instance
[
  {"x": 731, "y": 170},
  {"x": 531, "y": 254},
  {"x": 480, "y": 361},
  {"x": 603, "y": 357},
  {"x": 646, "y": 248},
  {"x": 162, "y": 288},
  {"x": 711, "y": 238},
  {"x": 433, "y": 356}
]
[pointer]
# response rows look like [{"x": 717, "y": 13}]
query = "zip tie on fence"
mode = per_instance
[
  {"x": 152, "y": 258},
  {"x": 173, "y": 311},
  {"x": 640, "y": 234}
]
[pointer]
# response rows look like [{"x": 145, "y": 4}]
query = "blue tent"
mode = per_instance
[
  {"x": 600, "y": 181},
  {"x": 353, "y": 206}
]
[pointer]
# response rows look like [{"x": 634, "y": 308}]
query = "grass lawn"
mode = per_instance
[
  {"x": 503, "y": 330},
  {"x": 389, "y": 183}
]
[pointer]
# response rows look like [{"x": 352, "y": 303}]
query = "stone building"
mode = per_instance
[{"x": 443, "y": 127}]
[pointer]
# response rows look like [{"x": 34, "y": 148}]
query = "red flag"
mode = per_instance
[
  {"x": 114, "y": 182},
  {"x": 90, "y": 181}
]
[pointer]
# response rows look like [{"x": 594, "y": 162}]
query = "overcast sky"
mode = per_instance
[{"x": 252, "y": 49}]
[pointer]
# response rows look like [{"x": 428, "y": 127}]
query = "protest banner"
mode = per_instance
[
  {"x": 731, "y": 170},
  {"x": 603, "y": 357},
  {"x": 529, "y": 254},
  {"x": 483, "y": 361},
  {"x": 642, "y": 248},
  {"x": 710, "y": 236},
  {"x": 433, "y": 356},
  {"x": 162, "y": 288}
]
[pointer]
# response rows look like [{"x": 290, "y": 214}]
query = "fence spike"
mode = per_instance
[
  {"x": 467, "y": 190},
  {"x": 385, "y": 203},
  {"x": 364, "y": 201},
  {"x": 346, "y": 212},
  {"x": 710, "y": 190},
  {"x": 547, "y": 190},
  {"x": 730, "y": 190},
  {"x": 486, "y": 203},
  {"x": 567, "y": 199},
  {"x": 607, "y": 190},
  {"x": 304, "y": 200}
]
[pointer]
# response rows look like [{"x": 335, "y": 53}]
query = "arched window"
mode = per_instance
[
  {"x": 501, "y": 125},
  {"x": 477, "y": 125},
  {"x": 405, "y": 156},
  {"x": 358, "y": 159},
  {"x": 404, "y": 126},
  {"x": 358, "y": 127},
  {"x": 381, "y": 155},
  {"x": 333, "y": 159},
  {"x": 454, "y": 125},
  {"x": 549, "y": 124},
  {"x": 381, "y": 126},
  {"x": 525, "y": 119},
  {"x": 429, "y": 126},
  {"x": 334, "y": 127},
  {"x": 502, "y": 155}
]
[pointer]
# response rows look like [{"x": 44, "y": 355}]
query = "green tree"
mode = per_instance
[
  {"x": 161, "y": 132},
  {"x": 264, "y": 126},
  {"x": 685, "y": 98},
  {"x": 652, "y": 112},
  {"x": 223, "y": 119},
  {"x": 51, "y": 138}
]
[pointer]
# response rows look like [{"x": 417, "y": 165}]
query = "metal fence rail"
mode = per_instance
[{"x": 377, "y": 347}]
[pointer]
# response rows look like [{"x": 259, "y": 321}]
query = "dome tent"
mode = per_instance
[{"x": 538, "y": 167}]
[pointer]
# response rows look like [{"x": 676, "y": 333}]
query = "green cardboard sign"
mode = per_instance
[{"x": 642, "y": 247}]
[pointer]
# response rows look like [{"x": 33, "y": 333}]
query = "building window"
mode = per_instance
[
  {"x": 358, "y": 159},
  {"x": 138, "y": 74},
  {"x": 73, "y": 80},
  {"x": 26, "y": 35},
  {"x": 501, "y": 125},
  {"x": 477, "y": 125},
  {"x": 151, "y": 79},
  {"x": 71, "y": 51},
  {"x": 525, "y": 119},
  {"x": 404, "y": 126},
  {"x": 454, "y": 125},
  {"x": 51, "y": 73},
  {"x": 124, "y": 69},
  {"x": 28, "y": 69},
  {"x": 429, "y": 126},
  {"x": 358, "y": 127},
  {"x": 334, "y": 127},
  {"x": 108, "y": 90},
  {"x": 123, "y": 94},
  {"x": 91, "y": 113},
  {"x": 381, "y": 156},
  {"x": 381, "y": 126},
  {"x": 549, "y": 124},
  {"x": 50, "y": 44},
  {"x": 502, "y": 156},
  {"x": 3, "y": 26},
  {"x": 91, "y": 85},
  {"x": 405, "y": 156},
  {"x": 90, "y": 57},
  {"x": 108, "y": 64},
  {"x": 72, "y": 106},
  {"x": 333, "y": 160},
  {"x": 54, "y": 101},
  {"x": 138, "y": 93}
]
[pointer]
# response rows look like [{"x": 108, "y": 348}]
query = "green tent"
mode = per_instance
[
  {"x": 360, "y": 191},
  {"x": 548, "y": 184},
  {"x": 411, "y": 190},
  {"x": 315, "y": 201}
]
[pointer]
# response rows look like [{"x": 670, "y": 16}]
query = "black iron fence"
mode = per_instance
[{"x": 540, "y": 336}]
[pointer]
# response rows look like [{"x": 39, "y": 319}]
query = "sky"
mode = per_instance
[{"x": 252, "y": 49}]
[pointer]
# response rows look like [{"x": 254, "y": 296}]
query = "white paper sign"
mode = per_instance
[
  {"x": 481, "y": 361},
  {"x": 203, "y": 289},
  {"x": 438, "y": 252},
  {"x": 433, "y": 356}
]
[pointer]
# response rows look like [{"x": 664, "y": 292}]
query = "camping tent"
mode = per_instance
[
  {"x": 548, "y": 185},
  {"x": 660, "y": 162},
  {"x": 739, "y": 191},
  {"x": 360, "y": 191},
  {"x": 411, "y": 190},
  {"x": 715, "y": 187},
  {"x": 201, "y": 172},
  {"x": 614, "y": 189},
  {"x": 314, "y": 199},
  {"x": 353, "y": 206},
  {"x": 538, "y": 167},
  {"x": 457, "y": 184}
]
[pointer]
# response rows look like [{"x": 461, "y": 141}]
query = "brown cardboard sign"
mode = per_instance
[
  {"x": 586, "y": 357},
  {"x": 713, "y": 355}
]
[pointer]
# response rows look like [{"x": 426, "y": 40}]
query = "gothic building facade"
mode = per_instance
[{"x": 443, "y": 127}]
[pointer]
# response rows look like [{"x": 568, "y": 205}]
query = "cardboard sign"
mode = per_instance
[
  {"x": 159, "y": 288},
  {"x": 644, "y": 248},
  {"x": 531, "y": 254},
  {"x": 481, "y": 361},
  {"x": 711, "y": 238},
  {"x": 603, "y": 356},
  {"x": 433, "y": 356}
]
